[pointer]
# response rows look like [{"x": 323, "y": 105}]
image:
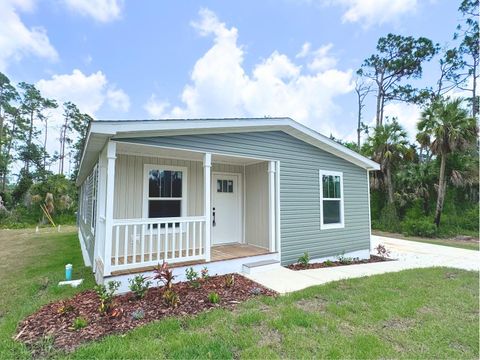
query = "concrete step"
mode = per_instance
[{"x": 260, "y": 266}]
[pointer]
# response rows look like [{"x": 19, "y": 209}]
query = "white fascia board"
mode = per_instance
[{"x": 140, "y": 128}]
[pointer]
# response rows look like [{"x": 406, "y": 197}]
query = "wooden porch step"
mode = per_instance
[{"x": 260, "y": 266}]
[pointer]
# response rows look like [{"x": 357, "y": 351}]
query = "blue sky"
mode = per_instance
[{"x": 154, "y": 59}]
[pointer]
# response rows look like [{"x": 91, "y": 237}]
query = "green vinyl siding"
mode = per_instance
[{"x": 300, "y": 163}]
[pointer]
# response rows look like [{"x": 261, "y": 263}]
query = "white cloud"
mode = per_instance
[
  {"x": 156, "y": 107},
  {"x": 89, "y": 92},
  {"x": 220, "y": 86},
  {"x": 118, "y": 99},
  {"x": 374, "y": 12},
  {"x": 16, "y": 39},
  {"x": 100, "y": 10}
]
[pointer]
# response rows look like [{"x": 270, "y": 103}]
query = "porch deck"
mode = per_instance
[{"x": 218, "y": 253}]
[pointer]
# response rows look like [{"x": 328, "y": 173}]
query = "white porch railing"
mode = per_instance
[{"x": 147, "y": 242}]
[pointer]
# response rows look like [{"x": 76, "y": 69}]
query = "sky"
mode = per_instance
[{"x": 149, "y": 59}]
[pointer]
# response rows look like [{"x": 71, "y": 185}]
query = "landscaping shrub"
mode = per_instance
[
  {"x": 171, "y": 298},
  {"x": 229, "y": 281},
  {"x": 192, "y": 277},
  {"x": 79, "y": 323},
  {"x": 106, "y": 294},
  {"x": 164, "y": 274},
  {"x": 214, "y": 298},
  {"x": 304, "y": 259},
  {"x": 419, "y": 227},
  {"x": 139, "y": 285}
]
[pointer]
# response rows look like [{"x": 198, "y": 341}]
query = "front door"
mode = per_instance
[{"x": 226, "y": 209}]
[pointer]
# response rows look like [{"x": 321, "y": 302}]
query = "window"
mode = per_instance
[
  {"x": 331, "y": 200},
  {"x": 164, "y": 191},
  {"x": 225, "y": 186}
]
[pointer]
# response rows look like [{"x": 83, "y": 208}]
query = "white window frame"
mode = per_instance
[
  {"x": 183, "y": 205},
  {"x": 341, "y": 224}
]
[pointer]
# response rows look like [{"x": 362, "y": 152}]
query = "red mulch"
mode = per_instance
[
  {"x": 373, "y": 259},
  {"x": 48, "y": 321}
]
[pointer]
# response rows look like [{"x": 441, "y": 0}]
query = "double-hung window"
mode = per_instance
[
  {"x": 331, "y": 200},
  {"x": 164, "y": 191}
]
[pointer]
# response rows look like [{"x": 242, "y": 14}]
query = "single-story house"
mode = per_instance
[{"x": 230, "y": 194}]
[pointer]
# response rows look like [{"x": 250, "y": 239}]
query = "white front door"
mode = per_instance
[{"x": 226, "y": 209}]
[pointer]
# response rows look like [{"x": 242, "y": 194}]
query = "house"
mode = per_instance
[{"x": 233, "y": 194}]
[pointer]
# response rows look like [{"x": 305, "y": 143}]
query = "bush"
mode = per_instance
[
  {"x": 171, "y": 298},
  {"x": 192, "y": 277},
  {"x": 79, "y": 323},
  {"x": 164, "y": 274},
  {"x": 419, "y": 227},
  {"x": 304, "y": 259},
  {"x": 105, "y": 295},
  {"x": 229, "y": 281},
  {"x": 214, "y": 298},
  {"x": 139, "y": 286}
]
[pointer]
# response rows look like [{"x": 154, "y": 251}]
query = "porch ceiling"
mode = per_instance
[{"x": 181, "y": 154}]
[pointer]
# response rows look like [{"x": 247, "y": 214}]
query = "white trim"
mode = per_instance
[
  {"x": 109, "y": 205},
  {"x": 146, "y": 198},
  {"x": 244, "y": 204},
  {"x": 341, "y": 224},
  {"x": 369, "y": 210},
  {"x": 271, "y": 205},
  {"x": 240, "y": 187},
  {"x": 207, "y": 178},
  {"x": 277, "y": 209},
  {"x": 101, "y": 131}
]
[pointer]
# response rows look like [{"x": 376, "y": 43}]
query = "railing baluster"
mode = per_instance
[
  {"x": 134, "y": 252},
  {"x": 125, "y": 244},
  {"x": 117, "y": 240},
  {"x": 194, "y": 244},
  {"x": 158, "y": 241},
  {"x": 166, "y": 243},
  {"x": 180, "y": 252},
  {"x": 200, "y": 234},
  {"x": 174, "y": 240},
  {"x": 151, "y": 243},
  {"x": 187, "y": 235}
]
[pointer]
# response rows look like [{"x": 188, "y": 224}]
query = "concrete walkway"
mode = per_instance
[{"x": 410, "y": 255}]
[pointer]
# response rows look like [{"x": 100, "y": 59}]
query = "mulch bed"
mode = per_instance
[
  {"x": 373, "y": 259},
  {"x": 50, "y": 322}
]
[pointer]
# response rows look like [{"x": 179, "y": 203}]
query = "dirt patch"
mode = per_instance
[
  {"x": 402, "y": 324},
  {"x": 345, "y": 262},
  {"x": 51, "y": 322},
  {"x": 268, "y": 337},
  {"x": 315, "y": 305}
]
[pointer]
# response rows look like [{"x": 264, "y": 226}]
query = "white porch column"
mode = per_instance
[
  {"x": 207, "y": 164},
  {"x": 101, "y": 199},
  {"x": 271, "y": 205},
  {"x": 111, "y": 156}
]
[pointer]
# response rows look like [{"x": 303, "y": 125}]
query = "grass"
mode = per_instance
[
  {"x": 427, "y": 313},
  {"x": 469, "y": 245}
]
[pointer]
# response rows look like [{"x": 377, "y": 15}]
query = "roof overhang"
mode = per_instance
[{"x": 101, "y": 131}]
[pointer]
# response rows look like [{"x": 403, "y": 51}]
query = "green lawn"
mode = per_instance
[
  {"x": 428, "y": 313},
  {"x": 469, "y": 245}
]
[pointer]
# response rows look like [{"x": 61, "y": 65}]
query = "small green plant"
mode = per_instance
[
  {"x": 192, "y": 277},
  {"x": 204, "y": 273},
  {"x": 304, "y": 259},
  {"x": 164, "y": 274},
  {"x": 171, "y": 298},
  {"x": 65, "y": 309},
  {"x": 328, "y": 263},
  {"x": 229, "y": 281},
  {"x": 344, "y": 260},
  {"x": 382, "y": 251},
  {"x": 139, "y": 285},
  {"x": 106, "y": 294},
  {"x": 138, "y": 314},
  {"x": 79, "y": 323},
  {"x": 214, "y": 298}
]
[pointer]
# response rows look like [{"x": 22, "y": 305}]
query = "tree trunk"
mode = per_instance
[
  {"x": 389, "y": 184},
  {"x": 474, "y": 91},
  {"x": 29, "y": 144},
  {"x": 379, "y": 102},
  {"x": 45, "y": 146},
  {"x": 441, "y": 190},
  {"x": 359, "y": 122}
]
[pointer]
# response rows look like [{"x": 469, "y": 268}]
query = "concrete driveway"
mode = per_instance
[{"x": 410, "y": 255}]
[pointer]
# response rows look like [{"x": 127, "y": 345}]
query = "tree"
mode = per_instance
[
  {"x": 80, "y": 125},
  {"x": 32, "y": 107},
  {"x": 446, "y": 127},
  {"x": 387, "y": 145},
  {"x": 362, "y": 89},
  {"x": 70, "y": 114},
  {"x": 398, "y": 58},
  {"x": 469, "y": 46}
]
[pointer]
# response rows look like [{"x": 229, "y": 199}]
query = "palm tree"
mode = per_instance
[
  {"x": 388, "y": 145},
  {"x": 445, "y": 128}
]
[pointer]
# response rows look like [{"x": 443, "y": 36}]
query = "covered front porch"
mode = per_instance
[{"x": 184, "y": 207}]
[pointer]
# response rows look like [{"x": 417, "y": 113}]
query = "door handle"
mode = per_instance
[{"x": 214, "y": 222}]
